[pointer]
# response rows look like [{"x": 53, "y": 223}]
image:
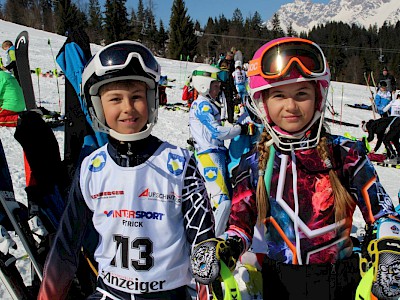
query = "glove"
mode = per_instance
[
  {"x": 384, "y": 257},
  {"x": 206, "y": 256}
]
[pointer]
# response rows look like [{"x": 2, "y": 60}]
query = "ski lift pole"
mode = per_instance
[
  {"x": 38, "y": 71},
  {"x": 55, "y": 73}
]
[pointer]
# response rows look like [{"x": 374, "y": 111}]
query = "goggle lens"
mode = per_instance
[
  {"x": 277, "y": 60},
  {"x": 221, "y": 76},
  {"x": 118, "y": 55}
]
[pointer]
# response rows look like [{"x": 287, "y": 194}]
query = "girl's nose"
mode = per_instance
[{"x": 291, "y": 103}]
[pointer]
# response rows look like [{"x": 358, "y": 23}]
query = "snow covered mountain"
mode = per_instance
[{"x": 304, "y": 14}]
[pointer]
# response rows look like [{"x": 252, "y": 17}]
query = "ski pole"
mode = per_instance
[
  {"x": 180, "y": 67},
  {"x": 341, "y": 107},
  {"x": 367, "y": 79},
  {"x": 187, "y": 59},
  {"x": 38, "y": 71},
  {"x": 55, "y": 74}
]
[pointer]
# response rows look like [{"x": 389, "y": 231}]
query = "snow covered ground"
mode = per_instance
[{"x": 172, "y": 125}]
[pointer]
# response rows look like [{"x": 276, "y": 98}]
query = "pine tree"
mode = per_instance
[
  {"x": 115, "y": 21},
  {"x": 182, "y": 39},
  {"x": 162, "y": 38},
  {"x": 14, "y": 11},
  {"x": 150, "y": 29},
  {"x": 290, "y": 30},
  {"x": 68, "y": 17},
  {"x": 47, "y": 15},
  {"x": 277, "y": 30},
  {"x": 95, "y": 28}
]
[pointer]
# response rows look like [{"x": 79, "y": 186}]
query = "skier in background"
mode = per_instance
[
  {"x": 228, "y": 86},
  {"x": 145, "y": 197},
  {"x": 382, "y": 98},
  {"x": 393, "y": 108},
  {"x": 10, "y": 64},
  {"x": 240, "y": 80},
  {"x": 391, "y": 84},
  {"x": 11, "y": 100},
  {"x": 209, "y": 135},
  {"x": 304, "y": 184}
]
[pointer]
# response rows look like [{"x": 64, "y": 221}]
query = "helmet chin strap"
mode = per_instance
[
  {"x": 132, "y": 136},
  {"x": 99, "y": 126}
]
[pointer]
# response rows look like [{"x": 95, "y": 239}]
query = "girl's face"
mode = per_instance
[
  {"x": 291, "y": 107},
  {"x": 125, "y": 106}
]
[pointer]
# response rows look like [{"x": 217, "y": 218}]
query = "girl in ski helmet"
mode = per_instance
[
  {"x": 209, "y": 136},
  {"x": 304, "y": 183},
  {"x": 136, "y": 191}
]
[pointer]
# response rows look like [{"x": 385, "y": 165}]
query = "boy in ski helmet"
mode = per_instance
[
  {"x": 304, "y": 183},
  {"x": 209, "y": 136},
  {"x": 144, "y": 197}
]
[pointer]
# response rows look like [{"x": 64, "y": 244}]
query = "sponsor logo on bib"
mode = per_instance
[
  {"x": 175, "y": 164},
  {"x": 98, "y": 162}
]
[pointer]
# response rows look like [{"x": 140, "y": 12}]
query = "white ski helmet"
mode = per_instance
[
  {"x": 238, "y": 63},
  {"x": 203, "y": 76},
  {"x": 123, "y": 60},
  {"x": 284, "y": 61}
]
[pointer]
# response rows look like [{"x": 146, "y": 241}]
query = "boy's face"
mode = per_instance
[{"x": 125, "y": 106}]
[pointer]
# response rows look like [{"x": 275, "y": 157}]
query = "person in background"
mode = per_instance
[
  {"x": 10, "y": 64},
  {"x": 145, "y": 198},
  {"x": 304, "y": 184},
  {"x": 220, "y": 58},
  {"x": 12, "y": 100},
  {"x": 240, "y": 80},
  {"x": 237, "y": 55},
  {"x": 228, "y": 86},
  {"x": 382, "y": 99},
  {"x": 387, "y": 130},
  {"x": 394, "y": 107},
  {"x": 391, "y": 84},
  {"x": 209, "y": 136}
]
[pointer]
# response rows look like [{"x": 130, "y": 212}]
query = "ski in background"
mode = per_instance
[
  {"x": 372, "y": 98},
  {"x": 24, "y": 70},
  {"x": 14, "y": 217},
  {"x": 387, "y": 165},
  {"x": 47, "y": 180},
  {"x": 341, "y": 123},
  {"x": 55, "y": 73},
  {"x": 80, "y": 139}
]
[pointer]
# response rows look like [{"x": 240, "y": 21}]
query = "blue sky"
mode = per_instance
[{"x": 202, "y": 9}]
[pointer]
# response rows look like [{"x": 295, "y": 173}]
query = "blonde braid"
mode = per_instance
[
  {"x": 343, "y": 202},
  {"x": 261, "y": 193}
]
